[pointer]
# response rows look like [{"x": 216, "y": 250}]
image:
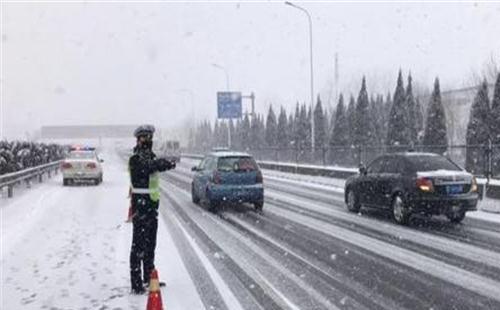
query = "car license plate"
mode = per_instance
[{"x": 454, "y": 189}]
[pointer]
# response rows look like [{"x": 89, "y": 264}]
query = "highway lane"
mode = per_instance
[{"x": 307, "y": 252}]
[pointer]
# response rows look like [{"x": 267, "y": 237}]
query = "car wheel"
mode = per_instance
[
  {"x": 400, "y": 212},
  {"x": 194, "y": 197},
  {"x": 353, "y": 204},
  {"x": 65, "y": 182},
  {"x": 456, "y": 217},
  {"x": 259, "y": 205}
]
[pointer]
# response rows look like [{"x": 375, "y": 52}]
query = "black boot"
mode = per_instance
[{"x": 138, "y": 291}]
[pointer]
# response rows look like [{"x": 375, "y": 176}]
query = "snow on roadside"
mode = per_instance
[{"x": 68, "y": 248}]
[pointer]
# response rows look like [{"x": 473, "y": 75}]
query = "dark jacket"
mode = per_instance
[{"x": 142, "y": 164}]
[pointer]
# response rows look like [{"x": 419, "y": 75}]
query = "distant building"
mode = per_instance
[{"x": 457, "y": 104}]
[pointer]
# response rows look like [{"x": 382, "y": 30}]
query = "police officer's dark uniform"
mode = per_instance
[{"x": 144, "y": 168}]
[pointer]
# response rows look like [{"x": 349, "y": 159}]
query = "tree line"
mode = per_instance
[
  {"x": 483, "y": 129},
  {"x": 388, "y": 122}
]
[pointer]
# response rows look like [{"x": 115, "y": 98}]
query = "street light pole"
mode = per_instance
[
  {"x": 225, "y": 71},
  {"x": 311, "y": 62}
]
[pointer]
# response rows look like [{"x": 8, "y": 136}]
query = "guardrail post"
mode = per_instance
[
  {"x": 296, "y": 160},
  {"x": 10, "y": 191},
  {"x": 359, "y": 155},
  {"x": 40, "y": 177}
]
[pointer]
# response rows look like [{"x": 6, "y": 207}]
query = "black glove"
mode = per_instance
[
  {"x": 162, "y": 164},
  {"x": 172, "y": 164}
]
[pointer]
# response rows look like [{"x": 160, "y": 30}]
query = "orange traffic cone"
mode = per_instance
[{"x": 154, "y": 298}]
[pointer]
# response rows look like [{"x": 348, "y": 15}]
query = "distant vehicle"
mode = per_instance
[
  {"x": 171, "y": 150},
  {"x": 228, "y": 177},
  {"x": 410, "y": 183},
  {"x": 82, "y": 164}
]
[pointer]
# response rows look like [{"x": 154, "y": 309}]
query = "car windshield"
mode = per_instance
[
  {"x": 81, "y": 155},
  {"x": 432, "y": 163},
  {"x": 236, "y": 164}
]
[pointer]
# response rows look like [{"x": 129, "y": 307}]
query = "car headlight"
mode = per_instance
[{"x": 473, "y": 187}]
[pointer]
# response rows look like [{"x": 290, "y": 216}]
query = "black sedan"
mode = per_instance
[{"x": 410, "y": 183}]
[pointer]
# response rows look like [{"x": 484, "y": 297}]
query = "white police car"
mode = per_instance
[{"x": 82, "y": 164}]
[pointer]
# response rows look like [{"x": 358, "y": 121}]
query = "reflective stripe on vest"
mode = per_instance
[
  {"x": 154, "y": 186},
  {"x": 140, "y": 190}
]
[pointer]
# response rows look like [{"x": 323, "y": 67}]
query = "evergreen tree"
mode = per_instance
[
  {"x": 297, "y": 137},
  {"x": 254, "y": 133},
  {"x": 236, "y": 138},
  {"x": 435, "y": 125},
  {"x": 495, "y": 113},
  {"x": 419, "y": 120},
  {"x": 495, "y": 127},
  {"x": 478, "y": 131},
  {"x": 223, "y": 132},
  {"x": 412, "y": 113},
  {"x": 244, "y": 134},
  {"x": 261, "y": 132},
  {"x": 292, "y": 138},
  {"x": 216, "y": 134},
  {"x": 340, "y": 132},
  {"x": 377, "y": 114},
  {"x": 320, "y": 133},
  {"x": 282, "y": 130},
  {"x": 206, "y": 136},
  {"x": 308, "y": 131},
  {"x": 363, "y": 131},
  {"x": 271, "y": 128},
  {"x": 301, "y": 127},
  {"x": 397, "y": 131},
  {"x": 351, "y": 119},
  {"x": 232, "y": 132},
  {"x": 388, "y": 106}
]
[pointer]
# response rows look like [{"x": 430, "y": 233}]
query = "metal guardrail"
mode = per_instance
[{"x": 10, "y": 180}]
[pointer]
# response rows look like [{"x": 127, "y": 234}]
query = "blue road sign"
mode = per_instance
[{"x": 228, "y": 104}]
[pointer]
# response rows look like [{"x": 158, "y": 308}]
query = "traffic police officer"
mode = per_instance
[{"x": 144, "y": 167}]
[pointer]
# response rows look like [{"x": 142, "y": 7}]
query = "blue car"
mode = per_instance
[{"x": 228, "y": 177}]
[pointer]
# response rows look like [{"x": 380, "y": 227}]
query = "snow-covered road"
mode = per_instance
[{"x": 68, "y": 247}]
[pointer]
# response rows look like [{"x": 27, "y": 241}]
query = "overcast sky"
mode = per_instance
[{"x": 129, "y": 63}]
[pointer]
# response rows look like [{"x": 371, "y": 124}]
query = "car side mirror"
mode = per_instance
[
  {"x": 362, "y": 170},
  {"x": 195, "y": 168}
]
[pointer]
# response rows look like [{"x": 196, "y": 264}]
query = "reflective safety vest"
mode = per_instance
[{"x": 153, "y": 188}]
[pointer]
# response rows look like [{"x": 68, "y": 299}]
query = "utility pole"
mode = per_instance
[{"x": 311, "y": 63}]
